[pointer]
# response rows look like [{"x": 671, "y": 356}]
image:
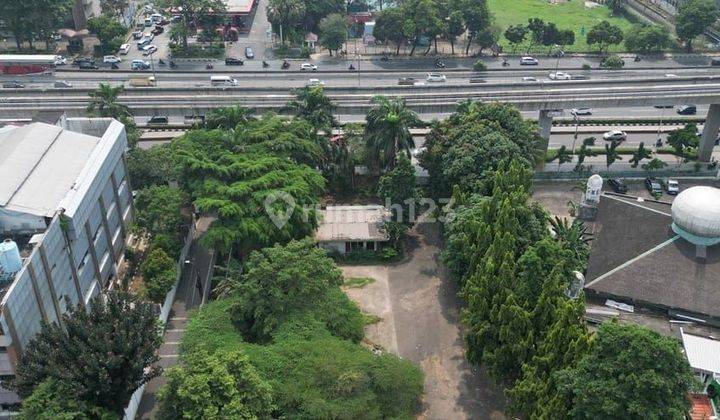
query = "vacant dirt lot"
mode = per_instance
[{"x": 419, "y": 309}]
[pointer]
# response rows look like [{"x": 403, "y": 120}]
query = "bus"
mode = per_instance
[{"x": 27, "y": 64}]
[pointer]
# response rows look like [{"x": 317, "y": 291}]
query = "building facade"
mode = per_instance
[{"x": 65, "y": 199}]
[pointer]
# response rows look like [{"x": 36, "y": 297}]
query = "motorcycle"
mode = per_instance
[
  {"x": 505, "y": 63},
  {"x": 440, "y": 64},
  {"x": 172, "y": 64},
  {"x": 659, "y": 143},
  {"x": 351, "y": 67},
  {"x": 637, "y": 58},
  {"x": 266, "y": 64},
  {"x": 384, "y": 58},
  {"x": 285, "y": 65},
  {"x": 161, "y": 62},
  {"x": 209, "y": 66}
]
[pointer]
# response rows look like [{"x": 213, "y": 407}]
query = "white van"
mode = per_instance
[
  {"x": 124, "y": 49},
  {"x": 223, "y": 80}
]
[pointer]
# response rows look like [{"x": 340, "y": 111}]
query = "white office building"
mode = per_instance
[{"x": 65, "y": 207}]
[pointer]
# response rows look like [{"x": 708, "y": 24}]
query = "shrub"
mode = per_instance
[
  {"x": 586, "y": 66},
  {"x": 612, "y": 62},
  {"x": 211, "y": 50},
  {"x": 159, "y": 273},
  {"x": 389, "y": 254},
  {"x": 479, "y": 66}
]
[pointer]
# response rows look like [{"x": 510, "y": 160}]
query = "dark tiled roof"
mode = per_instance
[{"x": 636, "y": 257}]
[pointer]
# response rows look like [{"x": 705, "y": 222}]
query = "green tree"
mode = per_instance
[
  {"x": 222, "y": 385},
  {"x": 563, "y": 155},
  {"x": 683, "y": 140},
  {"x": 104, "y": 103},
  {"x": 617, "y": 6},
  {"x": 284, "y": 281},
  {"x": 420, "y": 17},
  {"x": 631, "y": 373},
  {"x": 157, "y": 209},
  {"x": 453, "y": 28},
  {"x": 516, "y": 34},
  {"x": 52, "y": 400},
  {"x": 159, "y": 274},
  {"x": 387, "y": 27},
  {"x": 227, "y": 118},
  {"x": 647, "y": 38},
  {"x": 611, "y": 153},
  {"x": 536, "y": 27},
  {"x": 153, "y": 166},
  {"x": 387, "y": 131},
  {"x": 312, "y": 104},
  {"x": 193, "y": 13},
  {"x": 693, "y": 18},
  {"x": 574, "y": 236},
  {"x": 114, "y": 347},
  {"x": 582, "y": 153},
  {"x": 604, "y": 34},
  {"x": 640, "y": 154},
  {"x": 284, "y": 14},
  {"x": 653, "y": 165},
  {"x": 109, "y": 32},
  {"x": 397, "y": 189},
  {"x": 316, "y": 10},
  {"x": 17, "y": 20},
  {"x": 477, "y": 18},
  {"x": 333, "y": 32},
  {"x": 115, "y": 8}
]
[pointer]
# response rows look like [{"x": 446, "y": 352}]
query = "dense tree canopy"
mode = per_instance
[
  {"x": 604, "y": 34},
  {"x": 333, "y": 32},
  {"x": 387, "y": 131},
  {"x": 153, "y": 166},
  {"x": 647, "y": 38},
  {"x": 158, "y": 209},
  {"x": 632, "y": 373},
  {"x": 314, "y": 106},
  {"x": 694, "y": 17},
  {"x": 52, "y": 400},
  {"x": 101, "y": 354}
]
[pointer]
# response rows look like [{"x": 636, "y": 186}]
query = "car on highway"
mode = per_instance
[
  {"x": 139, "y": 65},
  {"x": 528, "y": 61},
  {"x": 314, "y": 82},
  {"x": 110, "y": 59},
  {"x": 618, "y": 185},
  {"x": 143, "y": 42},
  {"x": 232, "y": 61},
  {"x": 223, "y": 81},
  {"x": 653, "y": 185},
  {"x": 158, "y": 120},
  {"x": 407, "y": 81},
  {"x": 77, "y": 61},
  {"x": 664, "y": 106},
  {"x": 60, "y": 60},
  {"x": 137, "y": 35},
  {"x": 157, "y": 30},
  {"x": 435, "y": 77},
  {"x": 686, "y": 110},
  {"x": 124, "y": 49},
  {"x": 581, "y": 111},
  {"x": 529, "y": 79},
  {"x": 615, "y": 135},
  {"x": 308, "y": 66},
  {"x": 149, "y": 49},
  {"x": 672, "y": 186},
  {"x": 62, "y": 84},
  {"x": 559, "y": 76},
  {"x": 249, "y": 53},
  {"x": 13, "y": 85},
  {"x": 715, "y": 61},
  {"x": 88, "y": 65}
]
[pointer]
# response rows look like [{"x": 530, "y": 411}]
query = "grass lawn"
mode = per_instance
[{"x": 567, "y": 15}]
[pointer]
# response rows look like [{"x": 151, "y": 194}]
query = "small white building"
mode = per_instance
[
  {"x": 343, "y": 229},
  {"x": 703, "y": 354}
]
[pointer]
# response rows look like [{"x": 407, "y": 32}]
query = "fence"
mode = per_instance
[{"x": 134, "y": 403}]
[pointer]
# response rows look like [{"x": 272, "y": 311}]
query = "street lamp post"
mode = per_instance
[
  {"x": 358, "y": 67},
  {"x": 152, "y": 64},
  {"x": 576, "y": 117}
]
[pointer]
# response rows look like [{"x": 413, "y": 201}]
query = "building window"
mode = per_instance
[{"x": 370, "y": 246}]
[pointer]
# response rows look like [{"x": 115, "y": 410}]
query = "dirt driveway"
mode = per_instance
[{"x": 419, "y": 309}]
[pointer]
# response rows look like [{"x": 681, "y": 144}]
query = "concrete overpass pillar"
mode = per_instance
[
  {"x": 709, "y": 134},
  {"x": 545, "y": 124}
]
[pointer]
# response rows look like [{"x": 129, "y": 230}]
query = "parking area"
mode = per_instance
[{"x": 419, "y": 310}]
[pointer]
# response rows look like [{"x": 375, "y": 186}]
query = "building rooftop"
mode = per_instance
[
  {"x": 41, "y": 164},
  {"x": 653, "y": 266},
  {"x": 352, "y": 223},
  {"x": 238, "y": 6},
  {"x": 702, "y": 353}
]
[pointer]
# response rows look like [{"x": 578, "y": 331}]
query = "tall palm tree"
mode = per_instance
[
  {"x": 103, "y": 103},
  {"x": 387, "y": 131},
  {"x": 312, "y": 104},
  {"x": 227, "y": 117},
  {"x": 283, "y": 13}
]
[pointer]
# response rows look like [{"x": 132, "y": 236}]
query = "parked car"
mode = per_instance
[
  {"x": 149, "y": 49},
  {"x": 176, "y": 18},
  {"x": 615, "y": 135},
  {"x": 139, "y": 65},
  {"x": 581, "y": 111},
  {"x": 249, "y": 53},
  {"x": 308, "y": 66},
  {"x": 559, "y": 76},
  {"x": 87, "y": 65},
  {"x": 77, "y": 61},
  {"x": 529, "y": 61},
  {"x": 230, "y": 61},
  {"x": 407, "y": 81},
  {"x": 672, "y": 186},
  {"x": 60, "y": 60},
  {"x": 687, "y": 110},
  {"x": 143, "y": 42},
  {"x": 124, "y": 49},
  {"x": 653, "y": 185},
  {"x": 110, "y": 59},
  {"x": 62, "y": 84},
  {"x": 435, "y": 77},
  {"x": 715, "y": 61},
  {"x": 137, "y": 35},
  {"x": 157, "y": 30},
  {"x": 618, "y": 185},
  {"x": 13, "y": 85},
  {"x": 314, "y": 82},
  {"x": 158, "y": 120}
]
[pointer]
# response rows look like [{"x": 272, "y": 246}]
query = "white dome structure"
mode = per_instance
[{"x": 696, "y": 215}]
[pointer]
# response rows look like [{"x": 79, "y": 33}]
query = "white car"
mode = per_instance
[
  {"x": 559, "y": 76},
  {"x": 314, "y": 82},
  {"x": 149, "y": 49},
  {"x": 672, "y": 186},
  {"x": 581, "y": 111},
  {"x": 615, "y": 135},
  {"x": 60, "y": 60},
  {"x": 529, "y": 79},
  {"x": 528, "y": 61},
  {"x": 111, "y": 59},
  {"x": 124, "y": 49},
  {"x": 435, "y": 77},
  {"x": 308, "y": 66}
]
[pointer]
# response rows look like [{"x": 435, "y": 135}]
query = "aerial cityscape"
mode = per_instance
[{"x": 360, "y": 209}]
